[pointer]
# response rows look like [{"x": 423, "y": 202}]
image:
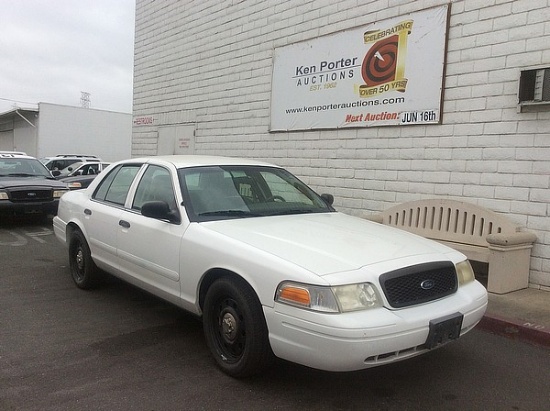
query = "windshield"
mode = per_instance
[
  {"x": 221, "y": 192},
  {"x": 22, "y": 167}
]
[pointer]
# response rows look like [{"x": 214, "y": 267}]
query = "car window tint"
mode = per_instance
[
  {"x": 65, "y": 163},
  {"x": 101, "y": 190},
  {"x": 282, "y": 189},
  {"x": 155, "y": 185},
  {"x": 114, "y": 188}
]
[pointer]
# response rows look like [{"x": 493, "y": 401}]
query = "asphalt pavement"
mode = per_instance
[
  {"x": 521, "y": 315},
  {"x": 118, "y": 348}
]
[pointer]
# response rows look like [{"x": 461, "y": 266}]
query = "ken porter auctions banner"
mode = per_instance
[{"x": 387, "y": 73}]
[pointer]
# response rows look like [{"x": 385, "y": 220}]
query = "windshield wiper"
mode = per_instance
[
  {"x": 229, "y": 213},
  {"x": 294, "y": 211},
  {"x": 24, "y": 175}
]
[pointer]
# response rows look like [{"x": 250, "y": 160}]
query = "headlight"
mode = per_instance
[
  {"x": 75, "y": 185},
  {"x": 464, "y": 272},
  {"x": 3, "y": 195},
  {"x": 356, "y": 297},
  {"x": 58, "y": 193},
  {"x": 338, "y": 299}
]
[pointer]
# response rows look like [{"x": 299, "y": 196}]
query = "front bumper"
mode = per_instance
[
  {"x": 59, "y": 230},
  {"x": 8, "y": 207},
  {"x": 354, "y": 341}
]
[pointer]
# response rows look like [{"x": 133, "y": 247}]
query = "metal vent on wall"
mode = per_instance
[{"x": 534, "y": 87}]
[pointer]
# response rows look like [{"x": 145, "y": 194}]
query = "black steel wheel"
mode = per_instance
[
  {"x": 83, "y": 269},
  {"x": 235, "y": 328}
]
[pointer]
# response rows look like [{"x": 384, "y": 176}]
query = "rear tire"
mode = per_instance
[
  {"x": 83, "y": 269},
  {"x": 235, "y": 328}
]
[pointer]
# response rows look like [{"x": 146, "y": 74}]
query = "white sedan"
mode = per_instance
[{"x": 269, "y": 265}]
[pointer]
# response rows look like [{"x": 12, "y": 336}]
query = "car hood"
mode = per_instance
[
  {"x": 17, "y": 182},
  {"x": 327, "y": 243}
]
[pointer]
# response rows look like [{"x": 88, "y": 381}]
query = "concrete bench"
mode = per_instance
[{"x": 482, "y": 235}]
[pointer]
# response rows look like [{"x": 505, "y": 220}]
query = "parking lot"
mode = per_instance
[{"x": 117, "y": 348}]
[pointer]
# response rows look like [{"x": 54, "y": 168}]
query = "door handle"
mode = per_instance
[
  {"x": 87, "y": 211},
  {"x": 124, "y": 224}
]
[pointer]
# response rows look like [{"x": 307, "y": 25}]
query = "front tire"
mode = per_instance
[
  {"x": 235, "y": 329},
  {"x": 83, "y": 269}
]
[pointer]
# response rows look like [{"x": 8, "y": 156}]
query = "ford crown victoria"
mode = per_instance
[
  {"x": 267, "y": 264},
  {"x": 26, "y": 186}
]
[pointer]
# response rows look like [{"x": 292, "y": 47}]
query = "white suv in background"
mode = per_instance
[
  {"x": 81, "y": 168},
  {"x": 62, "y": 161}
]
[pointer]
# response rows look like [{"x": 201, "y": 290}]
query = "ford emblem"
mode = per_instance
[
  {"x": 427, "y": 284},
  {"x": 31, "y": 194}
]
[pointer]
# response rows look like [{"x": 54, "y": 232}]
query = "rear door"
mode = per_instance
[
  {"x": 103, "y": 214},
  {"x": 149, "y": 248}
]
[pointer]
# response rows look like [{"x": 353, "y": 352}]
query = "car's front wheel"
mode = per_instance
[
  {"x": 83, "y": 269},
  {"x": 235, "y": 328}
]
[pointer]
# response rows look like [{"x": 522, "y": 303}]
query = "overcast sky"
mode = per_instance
[{"x": 52, "y": 50}]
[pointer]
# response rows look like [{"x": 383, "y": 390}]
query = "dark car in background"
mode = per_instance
[{"x": 27, "y": 187}]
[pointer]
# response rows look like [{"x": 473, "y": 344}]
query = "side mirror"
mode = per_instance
[
  {"x": 160, "y": 210},
  {"x": 328, "y": 198},
  {"x": 55, "y": 173}
]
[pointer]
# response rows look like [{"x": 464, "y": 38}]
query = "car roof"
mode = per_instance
[
  {"x": 75, "y": 156},
  {"x": 70, "y": 158},
  {"x": 6, "y": 154},
  {"x": 184, "y": 161}
]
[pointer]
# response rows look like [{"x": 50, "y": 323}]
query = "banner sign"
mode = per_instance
[
  {"x": 144, "y": 121},
  {"x": 385, "y": 74}
]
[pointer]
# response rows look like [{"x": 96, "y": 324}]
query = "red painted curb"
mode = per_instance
[{"x": 517, "y": 330}]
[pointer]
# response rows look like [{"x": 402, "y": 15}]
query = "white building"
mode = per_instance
[
  {"x": 465, "y": 116},
  {"x": 55, "y": 129}
]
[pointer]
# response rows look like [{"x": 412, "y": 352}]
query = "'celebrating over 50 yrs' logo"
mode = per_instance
[{"x": 383, "y": 67}]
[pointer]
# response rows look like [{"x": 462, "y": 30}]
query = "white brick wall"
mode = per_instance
[{"x": 209, "y": 63}]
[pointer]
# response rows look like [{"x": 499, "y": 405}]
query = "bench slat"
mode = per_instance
[{"x": 448, "y": 220}]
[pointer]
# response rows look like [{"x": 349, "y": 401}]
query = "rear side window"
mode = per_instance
[{"x": 114, "y": 188}]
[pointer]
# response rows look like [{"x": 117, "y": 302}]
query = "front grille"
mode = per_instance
[
  {"x": 31, "y": 195},
  {"x": 419, "y": 283}
]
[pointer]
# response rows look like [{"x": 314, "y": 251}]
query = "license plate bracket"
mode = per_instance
[{"x": 443, "y": 330}]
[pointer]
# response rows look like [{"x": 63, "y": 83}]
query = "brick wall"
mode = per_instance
[{"x": 210, "y": 63}]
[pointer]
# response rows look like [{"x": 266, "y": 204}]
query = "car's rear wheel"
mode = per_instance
[
  {"x": 83, "y": 269},
  {"x": 235, "y": 328}
]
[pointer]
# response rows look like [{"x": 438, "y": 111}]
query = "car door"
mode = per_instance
[
  {"x": 103, "y": 213},
  {"x": 149, "y": 248}
]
